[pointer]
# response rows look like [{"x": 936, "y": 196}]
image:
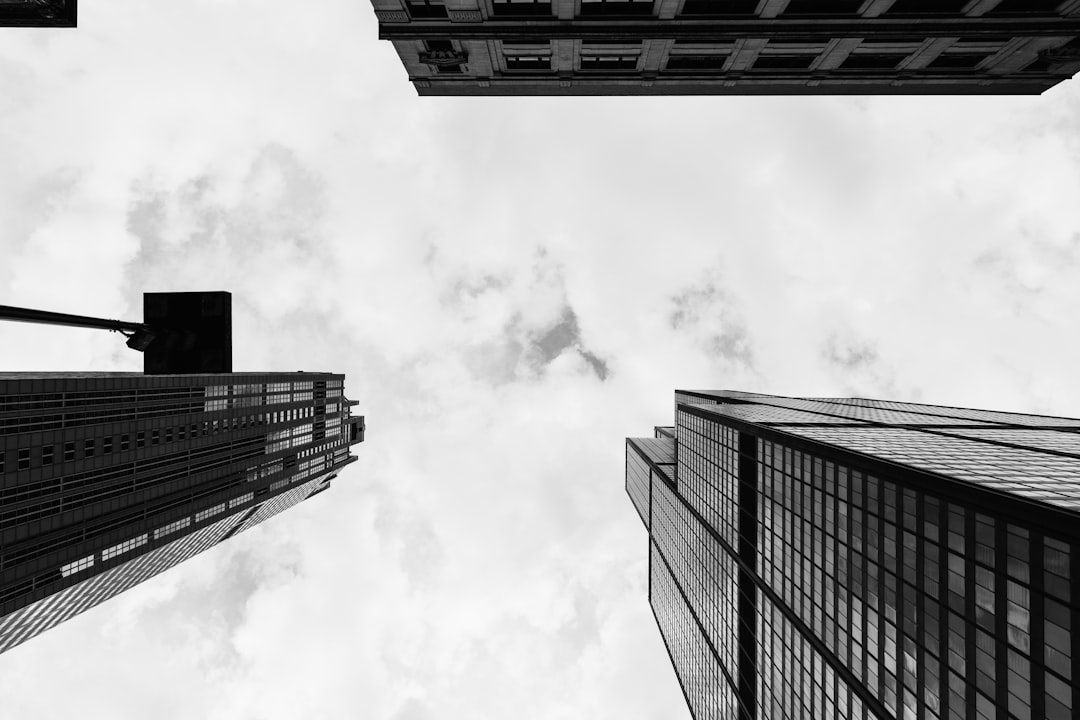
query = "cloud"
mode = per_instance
[
  {"x": 708, "y": 313},
  {"x": 849, "y": 356},
  {"x": 512, "y": 286}
]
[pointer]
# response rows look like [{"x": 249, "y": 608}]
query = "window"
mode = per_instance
[
  {"x": 1037, "y": 65},
  {"x": 622, "y": 8},
  {"x": 1025, "y": 7},
  {"x": 926, "y": 7},
  {"x": 1018, "y": 615},
  {"x": 77, "y": 566},
  {"x": 957, "y": 61},
  {"x": 823, "y": 7},
  {"x": 604, "y": 63},
  {"x": 123, "y": 547},
  {"x": 171, "y": 528},
  {"x": 910, "y": 40},
  {"x": 155, "y": 437},
  {"x": 47, "y": 455},
  {"x": 504, "y": 8},
  {"x": 1058, "y": 699},
  {"x": 24, "y": 458},
  {"x": 872, "y": 62},
  {"x": 528, "y": 62},
  {"x": 241, "y": 499},
  {"x": 720, "y": 7},
  {"x": 783, "y": 62},
  {"x": 209, "y": 512},
  {"x": 1058, "y": 650},
  {"x": 1019, "y": 684},
  {"x": 426, "y": 10},
  {"x": 89, "y": 447},
  {"x": 168, "y": 435},
  {"x": 931, "y": 518},
  {"x": 1056, "y": 565},
  {"x": 69, "y": 451},
  {"x": 956, "y": 528},
  {"x": 107, "y": 446},
  {"x": 697, "y": 62},
  {"x": 125, "y": 442},
  {"x": 140, "y": 439}
]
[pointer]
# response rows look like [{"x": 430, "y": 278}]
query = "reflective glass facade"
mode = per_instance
[
  {"x": 109, "y": 478},
  {"x": 849, "y": 558}
]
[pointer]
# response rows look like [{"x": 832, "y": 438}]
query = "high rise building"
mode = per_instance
[
  {"x": 107, "y": 479},
  {"x": 38, "y": 13},
  {"x": 849, "y": 558},
  {"x": 732, "y": 47}
]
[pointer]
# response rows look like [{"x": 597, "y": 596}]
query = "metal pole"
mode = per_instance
[{"x": 17, "y": 314}]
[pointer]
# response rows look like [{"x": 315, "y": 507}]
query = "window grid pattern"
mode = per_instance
[
  {"x": 172, "y": 528},
  {"x": 708, "y": 465},
  {"x": 121, "y": 548},
  {"x": 939, "y": 609},
  {"x": 710, "y": 693},
  {"x": 794, "y": 681},
  {"x": 638, "y": 483},
  {"x": 241, "y": 499},
  {"x": 705, "y": 572},
  {"x": 925, "y": 587},
  {"x": 121, "y": 466},
  {"x": 25, "y": 623},
  {"x": 77, "y": 566},
  {"x": 1049, "y": 478},
  {"x": 209, "y": 512},
  {"x": 987, "y": 416},
  {"x": 282, "y": 502}
]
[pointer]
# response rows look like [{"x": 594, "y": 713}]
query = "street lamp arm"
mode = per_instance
[{"x": 17, "y": 314}]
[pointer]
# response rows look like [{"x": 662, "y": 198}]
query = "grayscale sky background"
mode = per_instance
[{"x": 512, "y": 286}]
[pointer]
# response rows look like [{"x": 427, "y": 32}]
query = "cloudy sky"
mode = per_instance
[{"x": 512, "y": 287}]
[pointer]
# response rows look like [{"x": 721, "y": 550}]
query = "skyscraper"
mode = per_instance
[
  {"x": 107, "y": 479},
  {"x": 732, "y": 47},
  {"x": 849, "y": 558}
]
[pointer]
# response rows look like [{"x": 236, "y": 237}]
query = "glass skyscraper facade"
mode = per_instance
[
  {"x": 107, "y": 479},
  {"x": 850, "y": 558}
]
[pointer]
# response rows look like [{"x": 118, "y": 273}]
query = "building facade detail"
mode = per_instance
[
  {"x": 738, "y": 46},
  {"x": 107, "y": 479},
  {"x": 874, "y": 560}
]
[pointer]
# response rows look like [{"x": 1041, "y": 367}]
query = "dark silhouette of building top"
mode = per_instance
[
  {"x": 38, "y": 13},
  {"x": 733, "y": 47}
]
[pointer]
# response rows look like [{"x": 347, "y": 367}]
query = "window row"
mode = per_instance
[
  {"x": 606, "y": 61},
  {"x": 742, "y": 9}
]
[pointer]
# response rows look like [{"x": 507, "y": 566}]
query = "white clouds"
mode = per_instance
[{"x": 458, "y": 259}]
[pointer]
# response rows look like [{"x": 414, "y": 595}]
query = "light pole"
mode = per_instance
[
  {"x": 184, "y": 332},
  {"x": 138, "y": 336}
]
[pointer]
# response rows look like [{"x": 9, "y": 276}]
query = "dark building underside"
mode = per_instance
[{"x": 704, "y": 47}]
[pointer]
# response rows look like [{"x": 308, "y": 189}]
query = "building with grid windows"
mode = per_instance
[
  {"x": 38, "y": 13},
  {"x": 849, "y": 558},
  {"x": 732, "y": 47},
  {"x": 107, "y": 479}
]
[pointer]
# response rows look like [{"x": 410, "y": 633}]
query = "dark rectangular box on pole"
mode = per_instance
[{"x": 193, "y": 332}]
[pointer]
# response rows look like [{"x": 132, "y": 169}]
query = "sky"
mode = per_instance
[{"x": 512, "y": 286}]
